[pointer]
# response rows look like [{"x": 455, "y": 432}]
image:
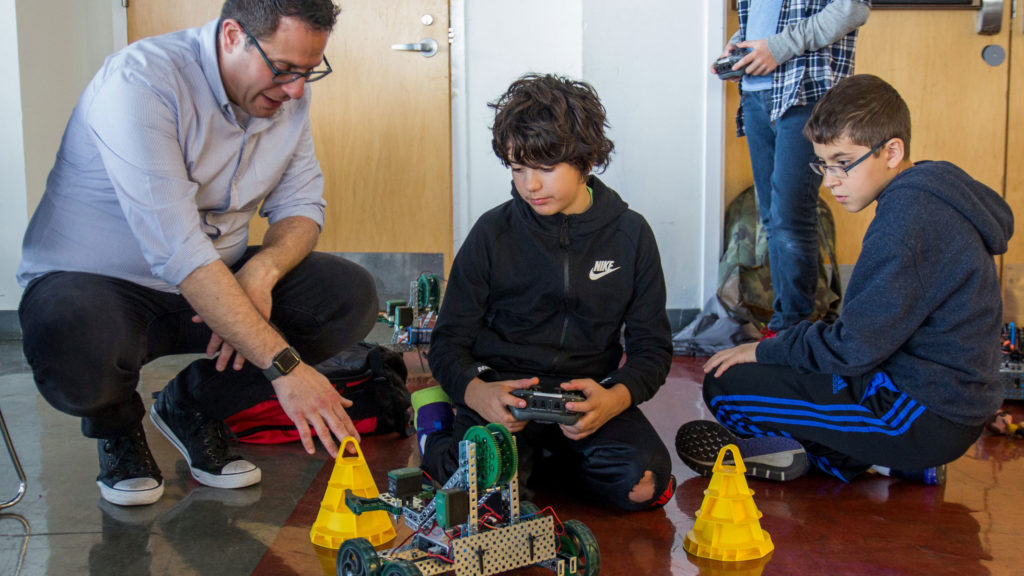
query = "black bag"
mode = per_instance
[
  {"x": 371, "y": 376},
  {"x": 383, "y": 402}
]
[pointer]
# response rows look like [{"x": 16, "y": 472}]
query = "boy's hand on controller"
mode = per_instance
[
  {"x": 602, "y": 404},
  {"x": 491, "y": 400}
]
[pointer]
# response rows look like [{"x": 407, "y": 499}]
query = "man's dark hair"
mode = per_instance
[
  {"x": 260, "y": 17},
  {"x": 865, "y": 109},
  {"x": 543, "y": 120}
]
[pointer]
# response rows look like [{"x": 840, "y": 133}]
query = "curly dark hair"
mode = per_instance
[
  {"x": 543, "y": 120},
  {"x": 863, "y": 108},
  {"x": 260, "y": 17}
]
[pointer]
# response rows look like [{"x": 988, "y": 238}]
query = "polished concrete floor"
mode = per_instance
[{"x": 974, "y": 525}]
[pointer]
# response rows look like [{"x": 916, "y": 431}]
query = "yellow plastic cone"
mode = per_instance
[
  {"x": 728, "y": 523},
  {"x": 335, "y": 523}
]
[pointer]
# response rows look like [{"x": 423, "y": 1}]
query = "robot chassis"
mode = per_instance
[{"x": 474, "y": 526}]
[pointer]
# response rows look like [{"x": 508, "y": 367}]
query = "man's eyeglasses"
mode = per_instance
[
  {"x": 822, "y": 169},
  {"x": 287, "y": 77}
]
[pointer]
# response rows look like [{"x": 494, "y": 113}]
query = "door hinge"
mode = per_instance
[{"x": 124, "y": 3}]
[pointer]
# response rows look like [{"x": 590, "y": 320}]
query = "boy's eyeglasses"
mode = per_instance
[
  {"x": 822, "y": 169},
  {"x": 281, "y": 77}
]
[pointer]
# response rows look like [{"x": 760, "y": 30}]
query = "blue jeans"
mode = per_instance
[{"x": 787, "y": 198}]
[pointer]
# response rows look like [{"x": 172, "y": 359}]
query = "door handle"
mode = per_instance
[
  {"x": 990, "y": 17},
  {"x": 426, "y": 47}
]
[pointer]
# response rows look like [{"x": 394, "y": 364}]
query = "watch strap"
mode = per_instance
[{"x": 283, "y": 363}]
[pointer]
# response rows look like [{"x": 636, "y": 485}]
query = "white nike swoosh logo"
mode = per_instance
[{"x": 599, "y": 275}]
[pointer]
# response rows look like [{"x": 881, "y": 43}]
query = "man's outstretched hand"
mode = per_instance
[{"x": 309, "y": 399}]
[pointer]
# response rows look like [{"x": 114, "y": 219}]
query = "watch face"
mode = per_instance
[{"x": 286, "y": 361}]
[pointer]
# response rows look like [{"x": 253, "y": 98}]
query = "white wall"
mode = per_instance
[
  {"x": 647, "y": 60},
  {"x": 501, "y": 41},
  {"x": 649, "y": 63},
  {"x": 60, "y": 44},
  {"x": 13, "y": 218}
]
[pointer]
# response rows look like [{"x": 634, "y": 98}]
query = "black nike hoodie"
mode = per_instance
[{"x": 548, "y": 296}]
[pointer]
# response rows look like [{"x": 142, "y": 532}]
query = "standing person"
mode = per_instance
[
  {"x": 798, "y": 50},
  {"x": 138, "y": 248},
  {"x": 906, "y": 378},
  {"x": 539, "y": 294}
]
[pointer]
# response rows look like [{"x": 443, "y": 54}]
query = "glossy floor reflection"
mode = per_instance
[{"x": 972, "y": 526}]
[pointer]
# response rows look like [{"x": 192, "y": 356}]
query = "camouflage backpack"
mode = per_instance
[{"x": 744, "y": 273}]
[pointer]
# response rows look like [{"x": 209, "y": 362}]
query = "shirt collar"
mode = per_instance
[{"x": 211, "y": 66}]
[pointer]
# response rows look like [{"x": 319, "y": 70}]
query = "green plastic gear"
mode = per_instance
[
  {"x": 507, "y": 449},
  {"x": 488, "y": 458},
  {"x": 428, "y": 291}
]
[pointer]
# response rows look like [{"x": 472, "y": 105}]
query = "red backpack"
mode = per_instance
[{"x": 371, "y": 376}]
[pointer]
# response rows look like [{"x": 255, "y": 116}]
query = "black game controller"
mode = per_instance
[
  {"x": 546, "y": 406},
  {"x": 723, "y": 66}
]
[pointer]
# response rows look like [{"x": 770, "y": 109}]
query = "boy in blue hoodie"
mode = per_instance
[
  {"x": 539, "y": 294},
  {"x": 905, "y": 379}
]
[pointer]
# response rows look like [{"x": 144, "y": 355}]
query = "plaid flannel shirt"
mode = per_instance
[{"x": 805, "y": 78}]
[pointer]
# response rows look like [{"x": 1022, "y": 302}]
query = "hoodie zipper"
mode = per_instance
[{"x": 563, "y": 242}]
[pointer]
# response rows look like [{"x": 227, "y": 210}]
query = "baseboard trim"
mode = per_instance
[{"x": 10, "y": 328}]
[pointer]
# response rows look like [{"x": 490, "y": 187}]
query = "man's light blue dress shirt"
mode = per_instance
[{"x": 155, "y": 177}]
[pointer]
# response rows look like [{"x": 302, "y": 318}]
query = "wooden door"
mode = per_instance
[
  {"x": 957, "y": 102},
  {"x": 154, "y": 17},
  {"x": 1013, "y": 262},
  {"x": 381, "y": 122}
]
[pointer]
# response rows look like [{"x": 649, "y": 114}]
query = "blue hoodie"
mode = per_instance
[{"x": 924, "y": 302}]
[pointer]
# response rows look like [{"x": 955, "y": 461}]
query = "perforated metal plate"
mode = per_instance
[{"x": 505, "y": 549}]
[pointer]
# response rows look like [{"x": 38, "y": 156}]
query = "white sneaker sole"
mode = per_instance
[
  {"x": 128, "y": 497},
  {"x": 247, "y": 475}
]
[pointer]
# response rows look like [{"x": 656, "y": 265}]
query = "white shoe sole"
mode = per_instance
[
  {"x": 250, "y": 475},
  {"x": 131, "y": 497}
]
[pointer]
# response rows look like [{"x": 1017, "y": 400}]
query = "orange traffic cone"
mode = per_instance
[
  {"x": 728, "y": 523},
  {"x": 335, "y": 523}
]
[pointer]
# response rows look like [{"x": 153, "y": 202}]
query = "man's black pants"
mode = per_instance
[{"x": 87, "y": 336}]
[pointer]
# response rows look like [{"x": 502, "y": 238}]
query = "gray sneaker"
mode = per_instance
[
  {"x": 203, "y": 443},
  {"x": 769, "y": 457},
  {"x": 128, "y": 475}
]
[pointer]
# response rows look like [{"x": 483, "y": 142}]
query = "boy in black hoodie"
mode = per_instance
[
  {"x": 905, "y": 379},
  {"x": 538, "y": 296}
]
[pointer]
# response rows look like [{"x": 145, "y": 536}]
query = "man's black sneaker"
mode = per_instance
[
  {"x": 129, "y": 475},
  {"x": 769, "y": 457},
  {"x": 202, "y": 441}
]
